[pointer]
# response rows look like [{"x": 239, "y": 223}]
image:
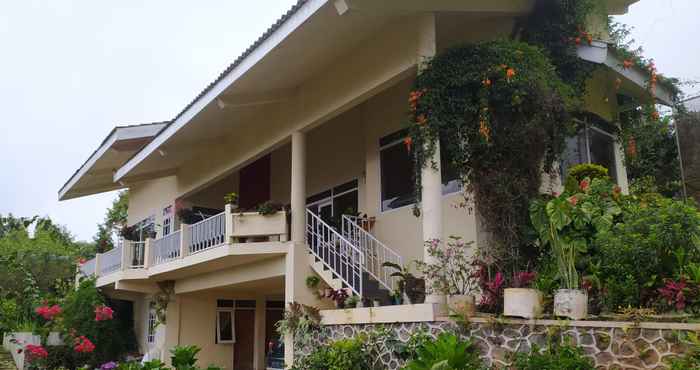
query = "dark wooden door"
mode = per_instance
[
  {"x": 243, "y": 350},
  {"x": 254, "y": 185}
]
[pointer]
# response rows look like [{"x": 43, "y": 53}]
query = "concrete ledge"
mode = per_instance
[
  {"x": 425, "y": 312},
  {"x": 584, "y": 324}
]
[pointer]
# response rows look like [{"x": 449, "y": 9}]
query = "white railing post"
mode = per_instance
[
  {"x": 98, "y": 265},
  {"x": 127, "y": 246},
  {"x": 185, "y": 236},
  {"x": 228, "y": 239},
  {"x": 147, "y": 258}
]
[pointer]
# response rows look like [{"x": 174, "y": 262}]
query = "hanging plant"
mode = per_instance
[{"x": 506, "y": 113}]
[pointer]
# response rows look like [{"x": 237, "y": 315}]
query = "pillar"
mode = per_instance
[
  {"x": 431, "y": 174},
  {"x": 297, "y": 260},
  {"x": 259, "y": 344}
]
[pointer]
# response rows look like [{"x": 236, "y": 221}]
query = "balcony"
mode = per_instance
[{"x": 223, "y": 240}]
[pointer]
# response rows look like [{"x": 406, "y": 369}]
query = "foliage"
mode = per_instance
[
  {"x": 450, "y": 272},
  {"x": 554, "y": 357},
  {"x": 507, "y": 113},
  {"x": 691, "y": 360},
  {"x": 231, "y": 198},
  {"x": 579, "y": 172},
  {"x": 408, "y": 283},
  {"x": 523, "y": 279},
  {"x": 657, "y": 239},
  {"x": 300, "y": 321},
  {"x": 447, "y": 352},
  {"x": 339, "y": 296},
  {"x": 346, "y": 354},
  {"x": 115, "y": 219},
  {"x": 568, "y": 224},
  {"x": 312, "y": 281},
  {"x": 80, "y": 323},
  {"x": 269, "y": 208},
  {"x": 491, "y": 282},
  {"x": 184, "y": 357},
  {"x": 409, "y": 350}
]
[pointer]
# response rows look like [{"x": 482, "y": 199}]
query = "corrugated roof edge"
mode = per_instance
[{"x": 104, "y": 141}]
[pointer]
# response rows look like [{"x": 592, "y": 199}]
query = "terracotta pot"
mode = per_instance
[
  {"x": 571, "y": 303},
  {"x": 521, "y": 302},
  {"x": 462, "y": 305}
]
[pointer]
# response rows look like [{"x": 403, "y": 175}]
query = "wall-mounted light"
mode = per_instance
[{"x": 162, "y": 152}]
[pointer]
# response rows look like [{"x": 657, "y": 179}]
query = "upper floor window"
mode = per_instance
[
  {"x": 167, "y": 220},
  {"x": 396, "y": 172},
  {"x": 592, "y": 145}
]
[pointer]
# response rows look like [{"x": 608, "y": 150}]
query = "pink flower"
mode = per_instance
[
  {"x": 584, "y": 185},
  {"x": 673, "y": 293},
  {"x": 34, "y": 352},
  {"x": 573, "y": 200},
  {"x": 83, "y": 345},
  {"x": 48, "y": 313},
  {"x": 103, "y": 313}
]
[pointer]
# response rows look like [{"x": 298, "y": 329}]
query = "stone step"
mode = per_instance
[{"x": 6, "y": 362}]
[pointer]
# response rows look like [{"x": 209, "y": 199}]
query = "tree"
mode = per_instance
[{"x": 115, "y": 219}]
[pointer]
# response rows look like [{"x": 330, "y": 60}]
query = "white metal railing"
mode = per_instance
[
  {"x": 111, "y": 261},
  {"x": 135, "y": 254},
  {"x": 338, "y": 254},
  {"x": 376, "y": 253},
  {"x": 166, "y": 248},
  {"x": 88, "y": 268},
  {"x": 206, "y": 234}
]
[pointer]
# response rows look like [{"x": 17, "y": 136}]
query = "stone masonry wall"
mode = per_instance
[{"x": 611, "y": 347}]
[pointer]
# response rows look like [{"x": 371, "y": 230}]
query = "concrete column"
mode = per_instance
[
  {"x": 431, "y": 176},
  {"x": 126, "y": 261},
  {"x": 172, "y": 328},
  {"x": 184, "y": 237},
  {"x": 98, "y": 262},
  {"x": 147, "y": 253},
  {"x": 297, "y": 260},
  {"x": 259, "y": 344}
]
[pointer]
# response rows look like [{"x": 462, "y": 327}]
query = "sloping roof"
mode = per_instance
[{"x": 95, "y": 174}]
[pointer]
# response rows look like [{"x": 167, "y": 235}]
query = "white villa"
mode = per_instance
[{"x": 311, "y": 117}]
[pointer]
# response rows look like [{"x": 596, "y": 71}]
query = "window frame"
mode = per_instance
[
  {"x": 232, "y": 313},
  {"x": 613, "y": 172},
  {"x": 151, "y": 325},
  {"x": 399, "y": 141}
]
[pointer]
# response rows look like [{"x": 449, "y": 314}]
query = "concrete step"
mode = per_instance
[{"x": 6, "y": 362}]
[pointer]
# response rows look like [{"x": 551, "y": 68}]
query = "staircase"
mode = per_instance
[
  {"x": 6, "y": 362},
  {"x": 352, "y": 259}
]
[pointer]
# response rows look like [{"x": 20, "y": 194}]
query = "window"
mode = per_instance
[
  {"x": 151, "y": 329},
  {"x": 331, "y": 204},
  {"x": 167, "y": 220},
  {"x": 591, "y": 145},
  {"x": 145, "y": 228},
  {"x": 225, "y": 330},
  {"x": 396, "y": 172}
]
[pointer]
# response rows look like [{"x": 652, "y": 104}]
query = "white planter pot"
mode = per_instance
[
  {"x": 253, "y": 224},
  {"x": 571, "y": 303},
  {"x": 54, "y": 339},
  {"x": 462, "y": 305},
  {"x": 521, "y": 302}
]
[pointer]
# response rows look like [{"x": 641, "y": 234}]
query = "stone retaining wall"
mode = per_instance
[{"x": 618, "y": 345}]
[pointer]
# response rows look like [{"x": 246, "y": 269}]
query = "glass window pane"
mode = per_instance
[
  {"x": 225, "y": 326},
  {"x": 396, "y": 177},
  {"x": 602, "y": 147},
  {"x": 449, "y": 173},
  {"x": 574, "y": 153}
]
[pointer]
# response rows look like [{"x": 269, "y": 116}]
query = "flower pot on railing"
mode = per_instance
[
  {"x": 571, "y": 303},
  {"x": 522, "y": 302}
]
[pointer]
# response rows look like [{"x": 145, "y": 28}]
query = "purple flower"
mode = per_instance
[{"x": 109, "y": 366}]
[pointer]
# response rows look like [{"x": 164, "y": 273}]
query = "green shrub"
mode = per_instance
[
  {"x": 657, "y": 239},
  {"x": 346, "y": 354},
  {"x": 564, "y": 357},
  {"x": 79, "y": 320},
  {"x": 184, "y": 357},
  {"x": 581, "y": 171},
  {"x": 447, "y": 352}
]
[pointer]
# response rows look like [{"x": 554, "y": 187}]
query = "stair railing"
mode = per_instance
[
  {"x": 339, "y": 255},
  {"x": 376, "y": 253}
]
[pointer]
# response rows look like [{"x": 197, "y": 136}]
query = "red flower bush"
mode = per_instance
[
  {"x": 523, "y": 279},
  {"x": 674, "y": 293},
  {"x": 35, "y": 352},
  {"x": 83, "y": 345},
  {"x": 48, "y": 313},
  {"x": 103, "y": 313}
]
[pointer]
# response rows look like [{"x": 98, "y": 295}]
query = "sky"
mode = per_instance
[{"x": 72, "y": 70}]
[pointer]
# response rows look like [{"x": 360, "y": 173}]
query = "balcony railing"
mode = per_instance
[
  {"x": 166, "y": 248},
  {"x": 213, "y": 232}
]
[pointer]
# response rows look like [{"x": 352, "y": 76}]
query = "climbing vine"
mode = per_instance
[{"x": 503, "y": 110}]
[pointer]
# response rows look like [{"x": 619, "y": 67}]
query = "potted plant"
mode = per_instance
[
  {"x": 522, "y": 300},
  {"x": 450, "y": 274},
  {"x": 232, "y": 199},
  {"x": 568, "y": 224},
  {"x": 411, "y": 287},
  {"x": 312, "y": 282},
  {"x": 339, "y": 296},
  {"x": 128, "y": 233},
  {"x": 396, "y": 298},
  {"x": 353, "y": 302},
  {"x": 269, "y": 208}
]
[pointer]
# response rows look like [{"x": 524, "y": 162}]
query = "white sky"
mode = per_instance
[{"x": 72, "y": 70}]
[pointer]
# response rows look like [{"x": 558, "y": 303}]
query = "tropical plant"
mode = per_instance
[
  {"x": 231, "y": 198},
  {"x": 269, "y": 208},
  {"x": 184, "y": 357},
  {"x": 447, "y": 352},
  {"x": 409, "y": 284},
  {"x": 568, "y": 224},
  {"x": 450, "y": 271},
  {"x": 554, "y": 357},
  {"x": 583, "y": 171},
  {"x": 523, "y": 279},
  {"x": 300, "y": 321},
  {"x": 409, "y": 350},
  {"x": 345, "y": 354}
]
